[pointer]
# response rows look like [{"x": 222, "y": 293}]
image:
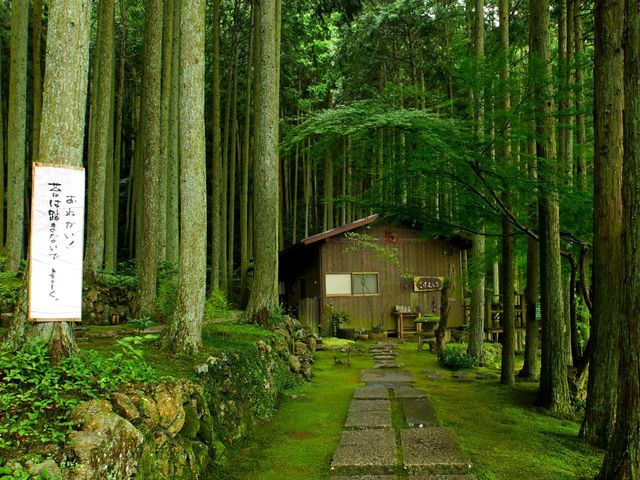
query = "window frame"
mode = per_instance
[{"x": 352, "y": 277}]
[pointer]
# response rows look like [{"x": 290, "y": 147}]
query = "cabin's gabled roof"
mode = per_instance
[{"x": 338, "y": 230}]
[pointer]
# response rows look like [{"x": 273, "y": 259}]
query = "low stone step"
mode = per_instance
[
  {"x": 374, "y": 449},
  {"x": 360, "y": 405},
  {"x": 433, "y": 450},
  {"x": 386, "y": 364},
  {"x": 419, "y": 412},
  {"x": 369, "y": 419},
  {"x": 406, "y": 391},
  {"x": 385, "y": 376},
  {"x": 371, "y": 393}
]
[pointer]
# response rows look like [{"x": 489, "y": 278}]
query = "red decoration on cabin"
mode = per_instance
[{"x": 390, "y": 236}]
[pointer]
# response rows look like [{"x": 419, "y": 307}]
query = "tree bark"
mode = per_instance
[
  {"x": 36, "y": 73},
  {"x": 264, "y": 295},
  {"x": 184, "y": 332},
  {"x": 445, "y": 308},
  {"x": 507, "y": 372},
  {"x": 173, "y": 170},
  {"x": 554, "y": 390},
  {"x": 151, "y": 158},
  {"x": 100, "y": 120},
  {"x": 63, "y": 119},
  {"x": 622, "y": 460},
  {"x": 608, "y": 257},
  {"x": 16, "y": 133}
]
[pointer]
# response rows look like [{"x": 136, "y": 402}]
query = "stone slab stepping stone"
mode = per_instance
[
  {"x": 360, "y": 405},
  {"x": 419, "y": 412},
  {"x": 387, "y": 365},
  {"x": 366, "y": 477},
  {"x": 375, "y": 448},
  {"x": 405, "y": 391},
  {"x": 433, "y": 450},
  {"x": 385, "y": 376},
  {"x": 371, "y": 393},
  {"x": 369, "y": 419}
]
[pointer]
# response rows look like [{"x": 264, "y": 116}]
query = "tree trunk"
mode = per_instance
[
  {"x": 478, "y": 278},
  {"x": 184, "y": 332},
  {"x": 151, "y": 158},
  {"x": 173, "y": 170},
  {"x": 100, "y": 120},
  {"x": 554, "y": 390},
  {"x": 608, "y": 257},
  {"x": 445, "y": 308},
  {"x": 246, "y": 165},
  {"x": 63, "y": 120},
  {"x": 477, "y": 281},
  {"x": 16, "y": 133},
  {"x": 581, "y": 130},
  {"x": 165, "y": 122},
  {"x": 264, "y": 295},
  {"x": 507, "y": 372},
  {"x": 232, "y": 159},
  {"x": 622, "y": 460},
  {"x": 36, "y": 73},
  {"x": 3, "y": 172}
]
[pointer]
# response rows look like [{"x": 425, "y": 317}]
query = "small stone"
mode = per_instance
[
  {"x": 124, "y": 406},
  {"x": 461, "y": 377}
]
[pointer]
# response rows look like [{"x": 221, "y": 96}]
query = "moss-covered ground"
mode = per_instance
[
  {"x": 506, "y": 436},
  {"x": 299, "y": 441}
]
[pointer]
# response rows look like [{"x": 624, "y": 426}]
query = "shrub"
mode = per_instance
[
  {"x": 455, "y": 357},
  {"x": 36, "y": 395},
  {"x": 217, "y": 305}
]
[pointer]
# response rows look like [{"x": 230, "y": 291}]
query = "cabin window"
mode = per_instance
[
  {"x": 364, "y": 283},
  {"x": 347, "y": 284},
  {"x": 338, "y": 283}
]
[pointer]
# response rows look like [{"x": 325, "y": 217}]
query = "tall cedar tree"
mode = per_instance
[
  {"x": 99, "y": 157},
  {"x": 264, "y": 294},
  {"x": 151, "y": 154},
  {"x": 183, "y": 333},
  {"x": 622, "y": 460},
  {"x": 63, "y": 118},
  {"x": 607, "y": 221},
  {"x": 16, "y": 133},
  {"x": 554, "y": 389}
]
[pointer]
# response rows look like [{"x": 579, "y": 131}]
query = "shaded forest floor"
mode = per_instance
[{"x": 506, "y": 436}]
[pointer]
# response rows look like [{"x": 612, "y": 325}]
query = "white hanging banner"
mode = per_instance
[{"x": 57, "y": 233}]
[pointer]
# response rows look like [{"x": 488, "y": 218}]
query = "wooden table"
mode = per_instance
[{"x": 400, "y": 322}]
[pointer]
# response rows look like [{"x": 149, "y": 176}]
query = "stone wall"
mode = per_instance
[{"x": 179, "y": 429}]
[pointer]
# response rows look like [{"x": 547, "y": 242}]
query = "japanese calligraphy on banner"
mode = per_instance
[{"x": 57, "y": 229}]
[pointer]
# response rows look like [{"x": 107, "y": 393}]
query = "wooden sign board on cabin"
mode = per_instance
[
  {"x": 425, "y": 283},
  {"x": 56, "y": 244}
]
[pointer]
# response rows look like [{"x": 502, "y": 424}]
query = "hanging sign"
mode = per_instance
[{"x": 57, "y": 230}]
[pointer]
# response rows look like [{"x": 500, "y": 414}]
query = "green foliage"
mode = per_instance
[
  {"x": 455, "y": 357},
  {"x": 109, "y": 278},
  {"x": 142, "y": 323},
  {"x": 10, "y": 285},
  {"x": 366, "y": 242},
  {"x": 18, "y": 473},
  {"x": 37, "y": 395},
  {"x": 335, "y": 318},
  {"x": 217, "y": 305}
]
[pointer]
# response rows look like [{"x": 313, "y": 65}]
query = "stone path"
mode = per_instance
[{"x": 392, "y": 431}]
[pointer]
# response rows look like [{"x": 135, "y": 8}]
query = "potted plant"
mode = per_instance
[
  {"x": 378, "y": 333},
  {"x": 337, "y": 318}
]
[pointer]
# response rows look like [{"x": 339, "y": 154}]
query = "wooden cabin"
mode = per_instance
[{"x": 374, "y": 271}]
